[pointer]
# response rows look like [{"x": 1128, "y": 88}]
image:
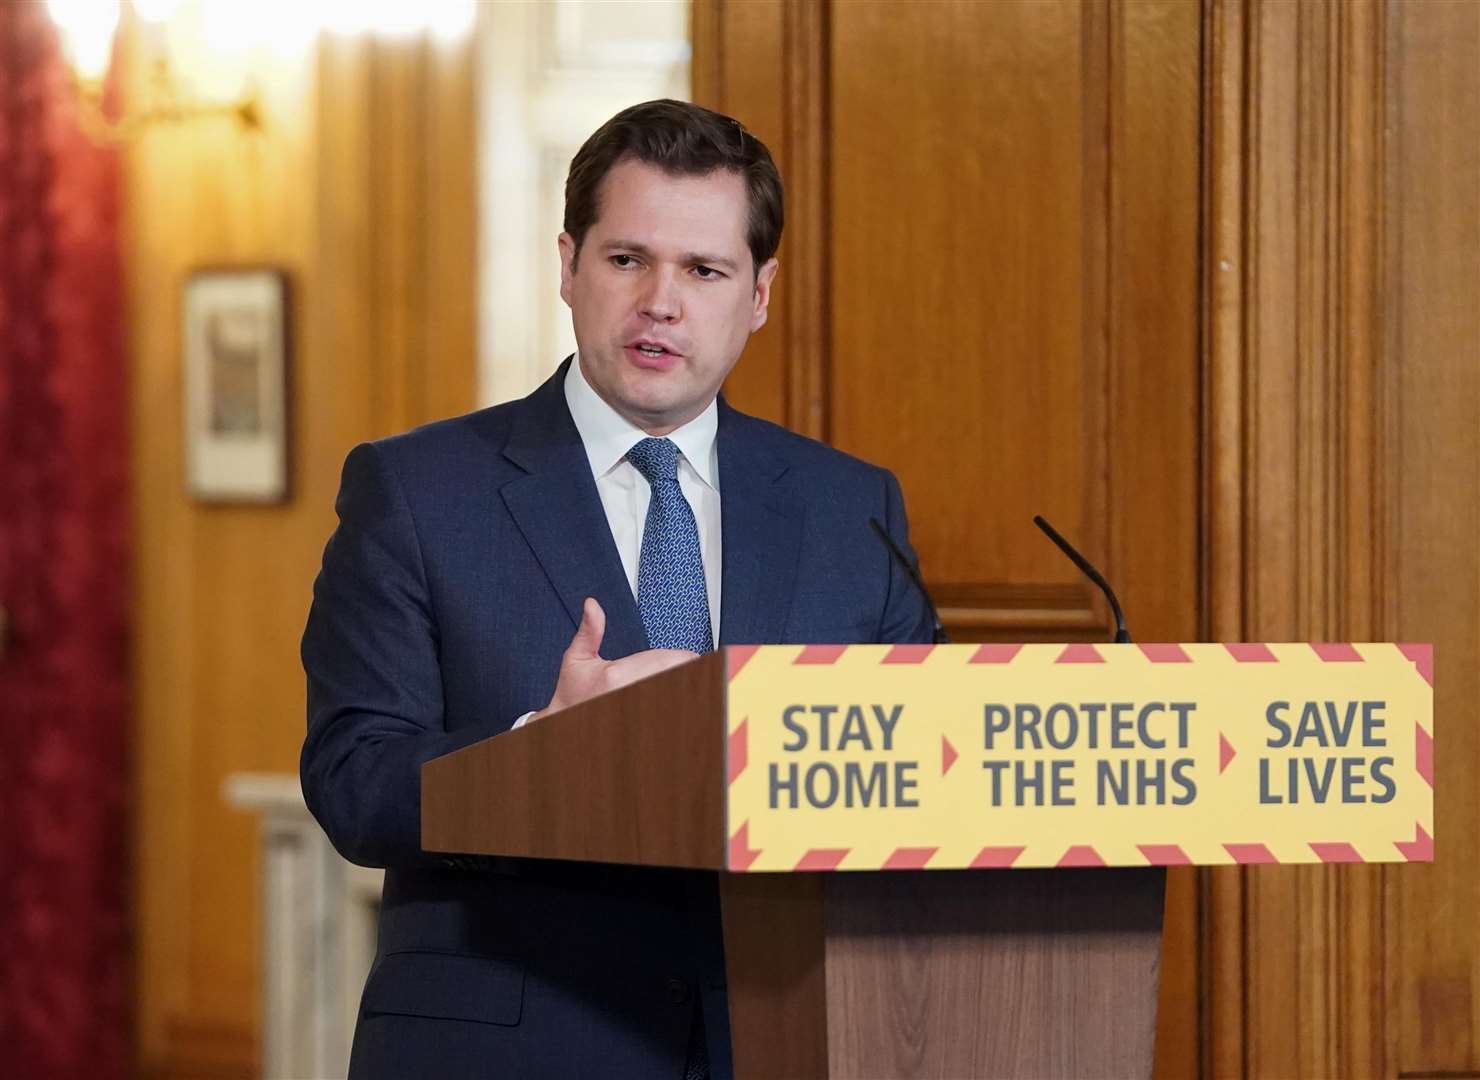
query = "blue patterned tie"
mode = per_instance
[{"x": 671, "y": 594}]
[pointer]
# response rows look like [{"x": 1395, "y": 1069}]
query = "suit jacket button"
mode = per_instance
[{"x": 678, "y": 991}]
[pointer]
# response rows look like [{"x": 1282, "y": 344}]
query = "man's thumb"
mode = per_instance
[{"x": 586, "y": 645}]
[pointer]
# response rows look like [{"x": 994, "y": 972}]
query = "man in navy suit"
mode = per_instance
[{"x": 494, "y": 567}]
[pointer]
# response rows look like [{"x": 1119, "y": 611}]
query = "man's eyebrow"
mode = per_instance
[
  {"x": 695, "y": 258},
  {"x": 689, "y": 258},
  {"x": 627, "y": 245}
]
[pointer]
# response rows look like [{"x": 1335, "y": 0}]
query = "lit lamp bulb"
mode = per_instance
[
  {"x": 87, "y": 28},
  {"x": 156, "y": 11},
  {"x": 449, "y": 20}
]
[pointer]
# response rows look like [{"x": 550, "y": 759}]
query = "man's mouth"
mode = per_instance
[
  {"x": 652, "y": 354},
  {"x": 649, "y": 347}
]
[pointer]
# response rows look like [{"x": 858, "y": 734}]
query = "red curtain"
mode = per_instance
[{"x": 64, "y": 979}]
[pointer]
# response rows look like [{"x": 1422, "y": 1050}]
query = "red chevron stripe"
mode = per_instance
[
  {"x": 1246, "y": 653},
  {"x": 1423, "y": 659},
  {"x": 1164, "y": 854},
  {"x": 1226, "y": 753},
  {"x": 909, "y": 858},
  {"x": 1080, "y": 654},
  {"x": 820, "y": 654},
  {"x": 742, "y": 855},
  {"x": 1336, "y": 853},
  {"x": 736, "y": 657},
  {"x": 1166, "y": 654},
  {"x": 907, "y": 654},
  {"x": 739, "y": 749},
  {"x": 822, "y": 859},
  {"x": 1423, "y": 754},
  {"x": 1081, "y": 855},
  {"x": 1420, "y": 848},
  {"x": 1250, "y": 854},
  {"x": 995, "y": 654},
  {"x": 1336, "y": 652},
  {"x": 996, "y": 857}
]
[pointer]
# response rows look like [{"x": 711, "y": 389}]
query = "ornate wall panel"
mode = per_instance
[{"x": 989, "y": 282}]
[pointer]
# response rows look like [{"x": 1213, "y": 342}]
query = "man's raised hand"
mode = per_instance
[{"x": 585, "y": 675}]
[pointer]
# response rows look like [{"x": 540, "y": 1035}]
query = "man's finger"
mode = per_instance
[
  {"x": 586, "y": 645},
  {"x": 630, "y": 669}
]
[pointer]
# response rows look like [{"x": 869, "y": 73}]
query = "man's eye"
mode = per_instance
[
  {"x": 622, "y": 262},
  {"x": 707, "y": 273}
]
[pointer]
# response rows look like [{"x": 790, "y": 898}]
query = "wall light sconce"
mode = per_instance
[
  {"x": 88, "y": 29},
  {"x": 210, "y": 43}
]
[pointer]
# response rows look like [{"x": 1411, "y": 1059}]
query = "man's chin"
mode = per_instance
[{"x": 654, "y": 412}]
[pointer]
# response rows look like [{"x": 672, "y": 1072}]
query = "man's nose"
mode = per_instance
[{"x": 660, "y": 301}]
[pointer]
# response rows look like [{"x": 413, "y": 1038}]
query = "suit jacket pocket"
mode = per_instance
[{"x": 447, "y": 986}]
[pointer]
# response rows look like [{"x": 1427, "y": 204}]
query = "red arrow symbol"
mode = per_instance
[{"x": 1226, "y": 753}]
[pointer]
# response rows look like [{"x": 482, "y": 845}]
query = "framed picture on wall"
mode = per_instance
[{"x": 235, "y": 338}]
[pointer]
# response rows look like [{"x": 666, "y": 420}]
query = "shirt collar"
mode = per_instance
[{"x": 607, "y": 435}]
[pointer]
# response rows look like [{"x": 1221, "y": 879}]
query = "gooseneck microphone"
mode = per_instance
[
  {"x": 1122, "y": 635},
  {"x": 940, "y": 635}
]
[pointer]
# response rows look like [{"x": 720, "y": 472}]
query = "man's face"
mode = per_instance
[{"x": 663, "y": 296}]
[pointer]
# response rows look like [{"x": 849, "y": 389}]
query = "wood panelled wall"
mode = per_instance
[
  {"x": 1294, "y": 971},
  {"x": 1201, "y": 282},
  {"x": 1428, "y": 503},
  {"x": 989, "y": 283},
  {"x": 1344, "y": 492},
  {"x": 360, "y": 185},
  {"x": 999, "y": 318}
]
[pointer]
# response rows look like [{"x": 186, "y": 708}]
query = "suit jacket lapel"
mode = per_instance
[
  {"x": 761, "y": 528},
  {"x": 558, "y": 510}
]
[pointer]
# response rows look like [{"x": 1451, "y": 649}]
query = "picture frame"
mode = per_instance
[{"x": 235, "y": 353}]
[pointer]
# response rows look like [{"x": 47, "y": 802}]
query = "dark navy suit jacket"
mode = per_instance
[{"x": 449, "y": 591}]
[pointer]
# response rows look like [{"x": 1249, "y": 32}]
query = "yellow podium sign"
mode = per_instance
[{"x": 865, "y": 757}]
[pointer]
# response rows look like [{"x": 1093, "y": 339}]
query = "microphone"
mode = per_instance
[
  {"x": 940, "y": 636},
  {"x": 1122, "y": 635}
]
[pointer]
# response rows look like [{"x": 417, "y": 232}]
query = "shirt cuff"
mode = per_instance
[{"x": 523, "y": 720}]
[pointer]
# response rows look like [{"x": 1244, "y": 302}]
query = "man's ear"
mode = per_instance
[
  {"x": 763, "y": 294},
  {"x": 567, "y": 265}
]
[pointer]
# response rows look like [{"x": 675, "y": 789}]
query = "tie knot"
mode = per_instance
[{"x": 656, "y": 459}]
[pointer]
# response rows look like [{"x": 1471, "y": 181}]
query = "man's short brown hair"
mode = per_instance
[{"x": 682, "y": 139}]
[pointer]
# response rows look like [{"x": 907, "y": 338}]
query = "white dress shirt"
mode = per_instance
[{"x": 625, "y": 494}]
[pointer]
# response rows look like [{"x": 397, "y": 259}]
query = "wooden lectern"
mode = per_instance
[{"x": 954, "y": 973}]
